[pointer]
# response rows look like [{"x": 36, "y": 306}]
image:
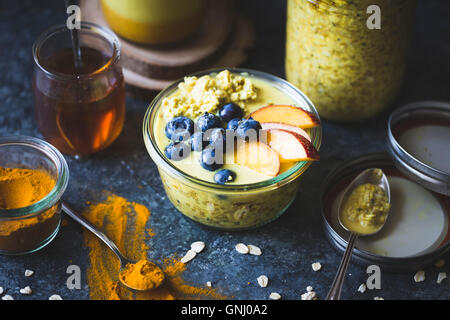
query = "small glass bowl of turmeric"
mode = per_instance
[{"x": 33, "y": 178}]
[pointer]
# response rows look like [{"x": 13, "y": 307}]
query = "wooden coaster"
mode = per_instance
[
  {"x": 233, "y": 56},
  {"x": 221, "y": 42}
]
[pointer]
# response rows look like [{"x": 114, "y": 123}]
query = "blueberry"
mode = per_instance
[
  {"x": 208, "y": 121},
  {"x": 208, "y": 159},
  {"x": 197, "y": 142},
  {"x": 230, "y": 111},
  {"x": 216, "y": 136},
  {"x": 179, "y": 128},
  {"x": 223, "y": 176},
  {"x": 233, "y": 124},
  {"x": 177, "y": 151},
  {"x": 248, "y": 128}
]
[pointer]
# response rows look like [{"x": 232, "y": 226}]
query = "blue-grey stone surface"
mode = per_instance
[{"x": 289, "y": 244}]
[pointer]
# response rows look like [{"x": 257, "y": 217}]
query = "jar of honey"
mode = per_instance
[
  {"x": 154, "y": 21},
  {"x": 80, "y": 110}
]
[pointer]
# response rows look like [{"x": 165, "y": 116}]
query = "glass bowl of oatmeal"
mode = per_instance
[{"x": 252, "y": 198}]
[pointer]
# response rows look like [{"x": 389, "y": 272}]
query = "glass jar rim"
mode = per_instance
[
  {"x": 327, "y": 4},
  {"x": 61, "y": 183},
  {"x": 104, "y": 32},
  {"x": 277, "y": 181}
]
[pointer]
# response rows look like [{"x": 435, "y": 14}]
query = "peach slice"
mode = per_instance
[
  {"x": 258, "y": 156},
  {"x": 286, "y": 114},
  {"x": 291, "y": 146},
  {"x": 287, "y": 127}
]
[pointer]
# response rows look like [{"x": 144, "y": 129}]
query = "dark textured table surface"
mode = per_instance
[{"x": 289, "y": 244}]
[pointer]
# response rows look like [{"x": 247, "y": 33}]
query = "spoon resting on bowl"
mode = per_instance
[{"x": 363, "y": 211}]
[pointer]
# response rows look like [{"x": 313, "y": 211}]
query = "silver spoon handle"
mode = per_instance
[
  {"x": 77, "y": 217},
  {"x": 75, "y": 38},
  {"x": 336, "y": 287}
]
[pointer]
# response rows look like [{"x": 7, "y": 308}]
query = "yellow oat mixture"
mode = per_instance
[
  {"x": 195, "y": 96},
  {"x": 349, "y": 72},
  {"x": 366, "y": 209}
]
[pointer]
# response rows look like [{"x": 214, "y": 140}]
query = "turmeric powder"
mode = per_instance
[
  {"x": 142, "y": 275},
  {"x": 21, "y": 188},
  {"x": 125, "y": 223}
]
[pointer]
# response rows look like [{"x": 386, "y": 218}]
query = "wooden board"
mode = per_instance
[
  {"x": 234, "y": 55},
  {"x": 222, "y": 41}
]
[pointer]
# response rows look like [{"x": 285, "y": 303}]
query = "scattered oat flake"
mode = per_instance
[
  {"x": 55, "y": 297},
  {"x": 441, "y": 277},
  {"x": 309, "y": 288},
  {"x": 7, "y": 297},
  {"x": 188, "y": 256},
  {"x": 198, "y": 246},
  {"x": 439, "y": 263},
  {"x": 362, "y": 288},
  {"x": 254, "y": 250},
  {"x": 29, "y": 273},
  {"x": 27, "y": 290},
  {"x": 378, "y": 298},
  {"x": 419, "y": 276},
  {"x": 263, "y": 281},
  {"x": 316, "y": 266},
  {"x": 275, "y": 296},
  {"x": 209, "y": 284},
  {"x": 310, "y": 295},
  {"x": 242, "y": 248}
]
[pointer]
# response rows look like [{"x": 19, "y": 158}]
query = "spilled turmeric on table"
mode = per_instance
[
  {"x": 126, "y": 224},
  {"x": 20, "y": 188}
]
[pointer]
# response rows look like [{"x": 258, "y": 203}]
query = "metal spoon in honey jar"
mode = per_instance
[
  {"x": 127, "y": 266},
  {"x": 363, "y": 211}
]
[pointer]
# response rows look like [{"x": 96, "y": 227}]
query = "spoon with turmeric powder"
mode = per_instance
[{"x": 139, "y": 275}]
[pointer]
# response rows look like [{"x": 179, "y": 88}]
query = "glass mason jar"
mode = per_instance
[
  {"x": 229, "y": 207},
  {"x": 79, "y": 110},
  {"x": 28, "y": 229},
  {"x": 349, "y": 71},
  {"x": 154, "y": 21}
]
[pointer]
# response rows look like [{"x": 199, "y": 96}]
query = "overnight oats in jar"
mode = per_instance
[
  {"x": 230, "y": 145},
  {"x": 350, "y": 71},
  {"x": 79, "y": 109}
]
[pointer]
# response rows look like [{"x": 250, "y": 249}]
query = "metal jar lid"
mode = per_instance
[
  {"x": 424, "y": 174},
  {"x": 338, "y": 236}
]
